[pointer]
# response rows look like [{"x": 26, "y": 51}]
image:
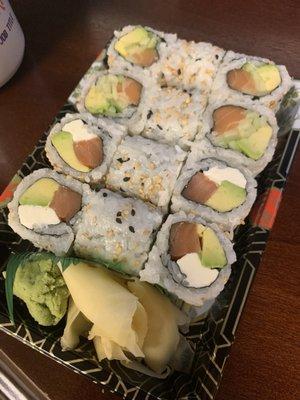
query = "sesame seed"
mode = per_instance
[
  {"x": 133, "y": 212},
  {"x": 118, "y": 220},
  {"x": 131, "y": 228},
  {"x": 119, "y": 214},
  {"x": 159, "y": 127},
  {"x": 126, "y": 179},
  {"x": 121, "y": 160},
  {"x": 104, "y": 194},
  {"x": 149, "y": 114}
]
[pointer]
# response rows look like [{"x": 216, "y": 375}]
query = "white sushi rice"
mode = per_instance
[
  {"x": 146, "y": 169},
  {"x": 56, "y": 238},
  {"x": 116, "y": 230},
  {"x": 133, "y": 117},
  {"x": 110, "y": 133},
  {"x": 188, "y": 65},
  {"x": 221, "y": 91},
  {"x": 204, "y": 156},
  {"x": 116, "y": 61},
  {"x": 173, "y": 116},
  {"x": 157, "y": 269},
  {"x": 255, "y": 166}
]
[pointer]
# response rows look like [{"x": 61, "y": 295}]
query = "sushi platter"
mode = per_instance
[{"x": 130, "y": 236}]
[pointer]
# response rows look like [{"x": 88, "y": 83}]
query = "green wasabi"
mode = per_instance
[{"x": 39, "y": 283}]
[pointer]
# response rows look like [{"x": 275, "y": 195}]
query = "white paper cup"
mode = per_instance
[{"x": 12, "y": 42}]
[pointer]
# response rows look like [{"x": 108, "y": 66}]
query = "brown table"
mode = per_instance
[{"x": 62, "y": 39}]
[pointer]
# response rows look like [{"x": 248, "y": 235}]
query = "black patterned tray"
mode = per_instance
[{"x": 211, "y": 338}]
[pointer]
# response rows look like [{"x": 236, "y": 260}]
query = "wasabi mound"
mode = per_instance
[{"x": 39, "y": 283}]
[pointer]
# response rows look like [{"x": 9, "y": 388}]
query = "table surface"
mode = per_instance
[{"x": 62, "y": 39}]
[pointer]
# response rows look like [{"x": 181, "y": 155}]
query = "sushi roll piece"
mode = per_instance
[
  {"x": 116, "y": 231},
  {"x": 246, "y": 130},
  {"x": 138, "y": 48},
  {"x": 188, "y": 66},
  {"x": 44, "y": 208},
  {"x": 215, "y": 187},
  {"x": 191, "y": 259},
  {"x": 252, "y": 78},
  {"x": 146, "y": 169},
  {"x": 82, "y": 146},
  {"x": 173, "y": 116},
  {"x": 118, "y": 96}
]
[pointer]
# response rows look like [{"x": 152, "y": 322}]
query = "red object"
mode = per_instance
[{"x": 265, "y": 208}]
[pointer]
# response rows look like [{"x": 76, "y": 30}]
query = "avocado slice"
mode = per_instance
[
  {"x": 255, "y": 145},
  {"x": 105, "y": 97},
  {"x": 266, "y": 77},
  {"x": 63, "y": 142},
  {"x": 213, "y": 254},
  {"x": 226, "y": 197},
  {"x": 40, "y": 193},
  {"x": 270, "y": 76},
  {"x": 131, "y": 39},
  {"x": 96, "y": 102}
]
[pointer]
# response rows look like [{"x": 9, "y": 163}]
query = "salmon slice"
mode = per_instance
[
  {"x": 199, "y": 189},
  {"x": 145, "y": 58},
  {"x": 66, "y": 203},
  {"x": 132, "y": 89},
  {"x": 227, "y": 118},
  {"x": 183, "y": 240},
  {"x": 89, "y": 152},
  {"x": 241, "y": 80}
]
